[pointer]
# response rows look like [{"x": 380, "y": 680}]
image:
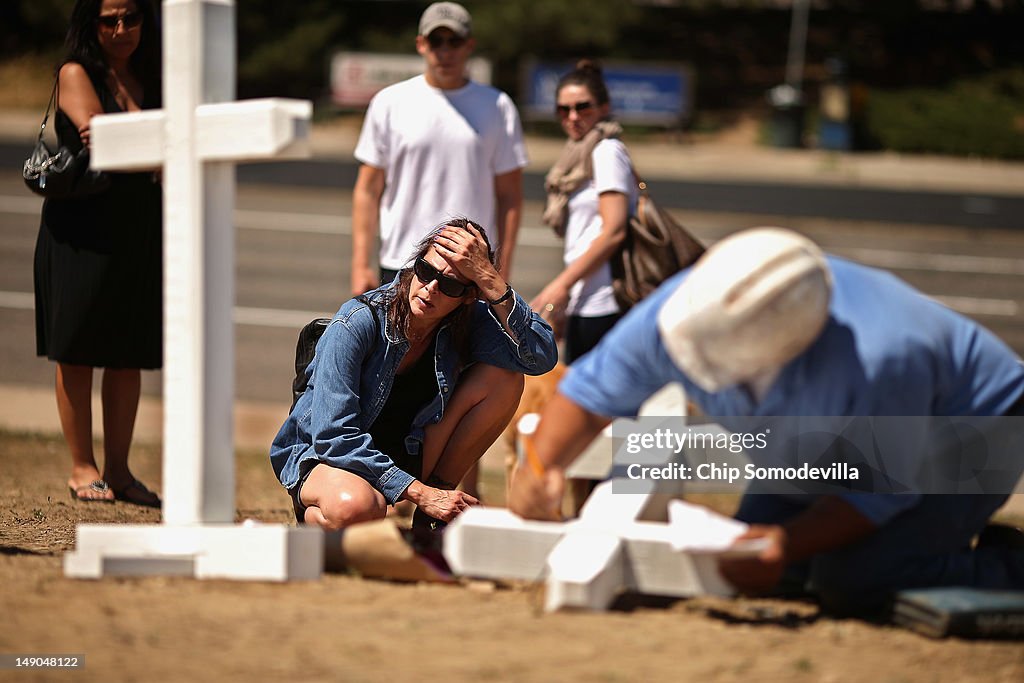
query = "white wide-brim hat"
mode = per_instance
[{"x": 751, "y": 304}]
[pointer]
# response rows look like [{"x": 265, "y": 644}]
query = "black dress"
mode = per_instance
[{"x": 98, "y": 268}]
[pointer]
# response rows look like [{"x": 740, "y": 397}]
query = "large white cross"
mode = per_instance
[{"x": 197, "y": 138}]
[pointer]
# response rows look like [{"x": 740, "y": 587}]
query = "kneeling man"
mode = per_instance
[{"x": 766, "y": 325}]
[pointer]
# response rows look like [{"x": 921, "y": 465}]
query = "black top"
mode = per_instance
[
  {"x": 98, "y": 267},
  {"x": 410, "y": 393}
]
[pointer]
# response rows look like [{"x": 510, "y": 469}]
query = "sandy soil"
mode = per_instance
[{"x": 347, "y": 628}]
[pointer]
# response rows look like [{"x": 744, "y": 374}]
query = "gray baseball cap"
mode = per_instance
[{"x": 447, "y": 15}]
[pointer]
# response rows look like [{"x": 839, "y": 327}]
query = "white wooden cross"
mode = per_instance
[
  {"x": 197, "y": 138},
  {"x": 620, "y": 542}
]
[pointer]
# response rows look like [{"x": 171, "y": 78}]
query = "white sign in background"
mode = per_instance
[{"x": 357, "y": 76}]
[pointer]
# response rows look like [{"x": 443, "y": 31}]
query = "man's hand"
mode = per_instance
[
  {"x": 366, "y": 198},
  {"x": 536, "y": 497},
  {"x": 829, "y": 523},
  {"x": 762, "y": 573},
  {"x": 363, "y": 280}
]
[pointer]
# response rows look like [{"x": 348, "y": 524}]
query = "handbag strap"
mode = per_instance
[
  {"x": 641, "y": 185},
  {"x": 52, "y": 104}
]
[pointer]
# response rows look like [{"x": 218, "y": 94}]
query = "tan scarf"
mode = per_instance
[{"x": 573, "y": 168}]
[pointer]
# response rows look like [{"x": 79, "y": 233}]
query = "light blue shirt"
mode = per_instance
[{"x": 887, "y": 350}]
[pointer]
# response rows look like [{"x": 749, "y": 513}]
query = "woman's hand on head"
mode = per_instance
[{"x": 467, "y": 252}]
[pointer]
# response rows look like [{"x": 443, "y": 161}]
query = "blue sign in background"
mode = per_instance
[{"x": 639, "y": 94}]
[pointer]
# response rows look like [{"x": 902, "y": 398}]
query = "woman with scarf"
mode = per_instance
[{"x": 591, "y": 193}]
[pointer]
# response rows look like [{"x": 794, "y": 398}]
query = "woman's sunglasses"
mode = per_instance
[
  {"x": 129, "y": 20},
  {"x": 449, "y": 286},
  {"x": 580, "y": 107},
  {"x": 436, "y": 41}
]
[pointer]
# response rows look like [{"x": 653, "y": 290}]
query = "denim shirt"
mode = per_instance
[{"x": 351, "y": 376}]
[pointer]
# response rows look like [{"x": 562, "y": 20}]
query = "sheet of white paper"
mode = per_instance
[{"x": 698, "y": 529}]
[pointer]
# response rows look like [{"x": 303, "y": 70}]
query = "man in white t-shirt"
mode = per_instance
[{"x": 433, "y": 147}]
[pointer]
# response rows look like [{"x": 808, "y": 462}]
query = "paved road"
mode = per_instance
[
  {"x": 965, "y": 209},
  {"x": 968, "y": 209},
  {"x": 292, "y": 264}
]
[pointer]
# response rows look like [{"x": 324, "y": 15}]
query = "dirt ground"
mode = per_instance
[{"x": 346, "y": 628}]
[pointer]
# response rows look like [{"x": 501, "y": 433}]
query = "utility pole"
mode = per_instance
[{"x": 797, "y": 45}]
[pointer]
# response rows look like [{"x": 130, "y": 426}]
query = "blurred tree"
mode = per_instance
[
  {"x": 33, "y": 25},
  {"x": 551, "y": 28},
  {"x": 737, "y": 47},
  {"x": 282, "y": 47},
  {"x": 508, "y": 33}
]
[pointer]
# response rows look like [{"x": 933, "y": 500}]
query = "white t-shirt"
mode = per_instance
[
  {"x": 441, "y": 150},
  {"x": 592, "y": 296}
]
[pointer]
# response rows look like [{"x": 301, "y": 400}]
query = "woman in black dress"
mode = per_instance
[{"x": 98, "y": 260}]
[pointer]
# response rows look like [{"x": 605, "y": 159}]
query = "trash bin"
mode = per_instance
[
  {"x": 834, "y": 126},
  {"x": 786, "y": 128}
]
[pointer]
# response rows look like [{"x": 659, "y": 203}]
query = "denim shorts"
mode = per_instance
[{"x": 413, "y": 463}]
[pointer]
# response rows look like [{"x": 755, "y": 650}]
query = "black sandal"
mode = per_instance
[{"x": 136, "y": 493}]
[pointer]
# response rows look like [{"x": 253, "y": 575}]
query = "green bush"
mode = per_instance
[{"x": 977, "y": 117}]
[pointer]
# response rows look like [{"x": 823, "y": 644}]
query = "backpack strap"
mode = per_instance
[
  {"x": 363, "y": 299},
  {"x": 305, "y": 347},
  {"x": 640, "y": 184}
]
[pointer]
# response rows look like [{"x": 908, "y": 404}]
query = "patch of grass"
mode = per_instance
[
  {"x": 706, "y": 123},
  {"x": 803, "y": 665}
]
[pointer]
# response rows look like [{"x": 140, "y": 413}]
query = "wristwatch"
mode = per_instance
[{"x": 503, "y": 298}]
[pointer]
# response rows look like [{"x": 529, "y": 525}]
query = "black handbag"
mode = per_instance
[{"x": 64, "y": 174}]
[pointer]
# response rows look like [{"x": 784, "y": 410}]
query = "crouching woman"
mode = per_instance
[{"x": 410, "y": 384}]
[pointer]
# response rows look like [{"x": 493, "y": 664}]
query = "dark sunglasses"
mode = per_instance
[
  {"x": 129, "y": 20},
  {"x": 436, "y": 41},
  {"x": 580, "y": 107},
  {"x": 449, "y": 286}
]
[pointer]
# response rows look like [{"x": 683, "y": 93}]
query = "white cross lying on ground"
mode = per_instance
[
  {"x": 619, "y": 543},
  {"x": 197, "y": 138}
]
